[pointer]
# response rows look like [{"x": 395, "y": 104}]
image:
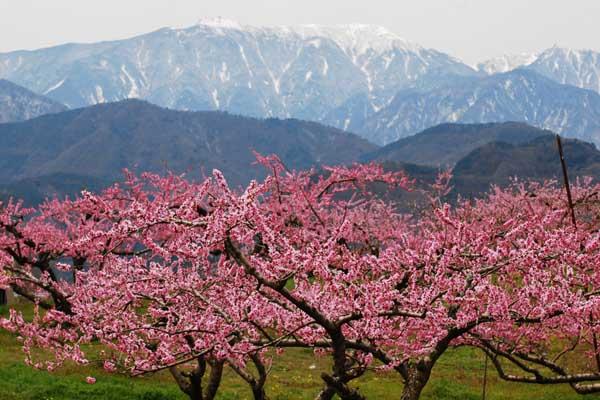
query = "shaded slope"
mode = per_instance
[
  {"x": 100, "y": 141},
  {"x": 446, "y": 144},
  {"x": 496, "y": 163}
]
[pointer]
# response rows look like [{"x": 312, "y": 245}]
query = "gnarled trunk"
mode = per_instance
[
  {"x": 416, "y": 378},
  {"x": 191, "y": 382}
]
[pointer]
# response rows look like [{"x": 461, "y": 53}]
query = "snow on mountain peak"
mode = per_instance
[
  {"x": 359, "y": 38},
  {"x": 220, "y": 22},
  {"x": 506, "y": 63},
  {"x": 575, "y": 67},
  {"x": 356, "y": 39},
  {"x": 559, "y": 51},
  {"x": 570, "y": 56}
]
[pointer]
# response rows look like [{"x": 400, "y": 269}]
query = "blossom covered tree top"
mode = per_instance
[{"x": 164, "y": 271}]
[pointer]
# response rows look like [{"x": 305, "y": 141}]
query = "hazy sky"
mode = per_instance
[{"x": 472, "y": 30}]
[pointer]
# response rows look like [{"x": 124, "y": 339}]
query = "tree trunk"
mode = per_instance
[
  {"x": 339, "y": 387},
  {"x": 214, "y": 380},
  {"x": 191, "y": 383},
  {"x": 256, "y": 385},
  {"x": 418, "y": 376},
  {"x": 195, "y": 387},
  {"x": 338, "y": 381},
  {"x": 258, "y": 388},
  {"x": 326, "y": 394},
  {"x": 259, "y": 393}
]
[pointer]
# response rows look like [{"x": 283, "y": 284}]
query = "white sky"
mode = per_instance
[{"x": 472, "y": 30}]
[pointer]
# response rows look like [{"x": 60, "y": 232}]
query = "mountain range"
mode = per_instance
[
  {"x": 192, "y": 99},
  {"x": 519, "y": 95},
  {"x": 102, "y": 140},
  {"x": 304, "y": 72},
  {"x": 359, "y": 78},
  {"x": 88, "y": 148}
]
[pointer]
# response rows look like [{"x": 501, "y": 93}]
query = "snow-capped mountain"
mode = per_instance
[
  {"x": 303, "y": 72},
  {"x": 519, "y": 95},
  {"x": 579, "y": 68},
  {"x": 506, "y": 63},
  {"x": 19, "y": 104},
  {"x": 361, "y": 78}
]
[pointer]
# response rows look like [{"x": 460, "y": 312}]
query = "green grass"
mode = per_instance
[{"x": 458, "y": 376}]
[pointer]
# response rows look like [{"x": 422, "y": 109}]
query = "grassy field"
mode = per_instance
[{"x": 458, "y": 376}]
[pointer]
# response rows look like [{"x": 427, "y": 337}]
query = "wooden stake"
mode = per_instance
[
  {"x": 566, "y": 180},
  {"x": 572, "y": 208}
]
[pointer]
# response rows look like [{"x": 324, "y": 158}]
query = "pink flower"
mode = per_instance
[
  {"x": 109, "y": 366},
  {"x": 91, "y": 380}
]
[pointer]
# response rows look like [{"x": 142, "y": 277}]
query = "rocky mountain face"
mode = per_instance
[
  {"x": 19, "y": 104},
  {"x": 334, "y": 74},
  {"x": 98, "y": 142},
  {"x": 579, "y": 68},
  {"x": 520, "y": 95}
]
